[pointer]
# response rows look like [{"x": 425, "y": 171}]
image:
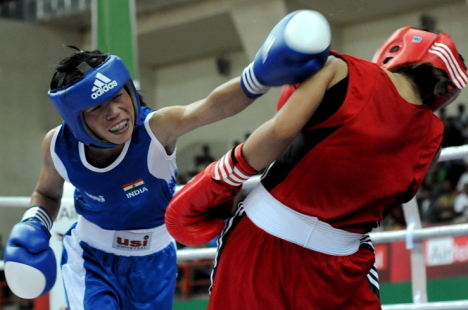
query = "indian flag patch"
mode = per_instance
[{"x": 131, "y": 187}]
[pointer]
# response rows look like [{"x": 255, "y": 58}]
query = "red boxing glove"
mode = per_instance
[{"x": 192, "y": 216}]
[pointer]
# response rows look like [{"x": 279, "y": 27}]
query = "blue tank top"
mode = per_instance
[{"x": 132, "y": 192}]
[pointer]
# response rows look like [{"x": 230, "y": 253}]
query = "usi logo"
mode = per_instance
[{"x": 125, "y": 240}]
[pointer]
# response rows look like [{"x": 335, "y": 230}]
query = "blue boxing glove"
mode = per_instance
[
  {"x": 30, "y": 265},
  {"x": 297, "y": 47}
]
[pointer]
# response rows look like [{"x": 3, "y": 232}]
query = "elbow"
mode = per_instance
[{"x": 284, "y": 132}]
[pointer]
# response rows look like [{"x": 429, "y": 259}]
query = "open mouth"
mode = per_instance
[{"x": 119, "y": 126}]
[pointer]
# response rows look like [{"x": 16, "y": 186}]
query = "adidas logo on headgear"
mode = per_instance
[{"x": 102, "y": 84}]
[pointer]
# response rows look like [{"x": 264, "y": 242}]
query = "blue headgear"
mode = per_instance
[{"x": 96, "y": 86}]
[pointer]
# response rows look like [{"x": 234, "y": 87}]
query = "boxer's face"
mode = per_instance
[{"x": 112, "y": 120}]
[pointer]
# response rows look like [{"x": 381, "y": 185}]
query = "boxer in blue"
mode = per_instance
[{"x": 120, "y": 156}]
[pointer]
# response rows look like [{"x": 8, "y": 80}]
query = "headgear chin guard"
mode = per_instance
[
  {"x": 408, "y": 46},
  {"x": 96, "y": 86}
]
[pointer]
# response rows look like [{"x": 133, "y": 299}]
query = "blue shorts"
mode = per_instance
[{"x": 98, "y": 279}]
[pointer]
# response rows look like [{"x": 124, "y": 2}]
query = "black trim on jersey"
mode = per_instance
[
  {"x": 307, "y": 140},
  {"x": 295, "y": 152},
  {"x": 366, "y": 243},
  {"x": 229, "y": 227},
  {"x": 373, "y": 275},
  {"x": 331, "y": 102}
]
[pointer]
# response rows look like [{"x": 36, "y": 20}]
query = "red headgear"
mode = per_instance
[{"x": 408, "y": 46}]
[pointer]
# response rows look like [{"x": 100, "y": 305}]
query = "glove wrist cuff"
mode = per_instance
[
  {"x": 232, "y": 168},
  {"x": 250, "y": 84},
  {"x": 242, "y": 164},
  {"x": 39, "y": 213}
]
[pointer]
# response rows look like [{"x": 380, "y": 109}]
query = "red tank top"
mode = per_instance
[{"x": 368, "y": 156}]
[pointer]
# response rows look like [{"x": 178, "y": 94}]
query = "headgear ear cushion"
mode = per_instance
[{"x": 286, "y": 92}]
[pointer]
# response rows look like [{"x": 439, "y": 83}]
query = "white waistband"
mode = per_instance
[
  {"x": 139, "y": 242},
  {"x": 307, "y": 231}
]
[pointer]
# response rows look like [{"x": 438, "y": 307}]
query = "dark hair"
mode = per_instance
[
  {"x": 67, "y": 71},
  {"x": 429, "y": 80}
]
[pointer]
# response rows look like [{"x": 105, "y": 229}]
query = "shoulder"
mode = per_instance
[
  {"x": 46, "y": 145},
  {"x": 162, "y": 119},
  {"x": 337, "y": 64},
  {"x": 354, "y": 64},
  {"x": 163, "y": 123},
  {"x": 334, "y": 70},
  {"x": 50, "y": 135},
  {"x": 48, "y": 140}
]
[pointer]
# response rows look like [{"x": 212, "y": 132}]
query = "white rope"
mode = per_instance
[
  {"x": 23, "y": 202},
  {"x": 453, "y": 152},
  {"x": 195, "y": 254},
  {"x": 420, "y": 234}
]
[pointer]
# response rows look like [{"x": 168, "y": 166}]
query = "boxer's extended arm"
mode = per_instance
[
  {"x": 270, "y": 140},
  {"x": 30, "y": 265},
  {"x": 169, "y": 123},
  {"x": 296, "y": 48}
]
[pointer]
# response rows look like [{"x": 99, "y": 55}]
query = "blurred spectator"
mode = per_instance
[
  {"x": 461, "y": 206},
  {"x": 442, "y": 196},
  {"x": 443, "y": 114},
  {"x": 181, "y": 178},
  {"x": 461, "y": 119},
  {"x": 444, "y": 203},
  {"x": 455, "y": 169},
  {"x": 464, "y": 132},
  {"x": 462, "y": 181},
  {"x": 426, "y": 204},
  {"x": 395, "y": 219},
  {"x": 434, "y": 178},
  {"x": 202, "y": 160},
  {"x": 452, "y": 135}
]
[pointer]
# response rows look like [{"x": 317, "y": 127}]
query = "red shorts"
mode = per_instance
[{"x": 255, "y": 270}]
